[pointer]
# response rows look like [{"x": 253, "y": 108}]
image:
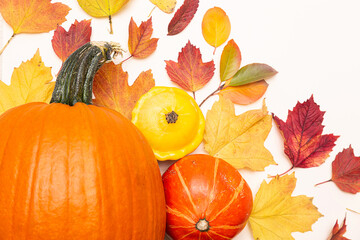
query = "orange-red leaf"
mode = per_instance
[
  {"x": 338, "y": 232},
  {"x": 33, "y": 16},
  {"x": 190, "y": 72},
  {"x": 346, "y": 171},
  {"x": 140, "y": 42},
  {"x": 230, "y": 60},
  {"x": 303, "y": 140},
  {"x": 245, "y": 94},
  {"x": 112, "y": 90},
  {"x": 183, "y": 16},
  {"x": 66, "y": 42}
]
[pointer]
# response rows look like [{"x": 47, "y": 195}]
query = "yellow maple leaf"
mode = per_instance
[
  {"x": 239, "y": 140},
  {"x": 166, "y": 6},
  {"x": 276, "y": 214},
  {"x": 30, "y": 82}
]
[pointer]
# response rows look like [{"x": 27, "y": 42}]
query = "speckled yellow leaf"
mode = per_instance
[
  {"x": 216, "y": 26},
  {"x": 239, "y": 140},
  {"x": 276, "y": 214},
  {"x": 166, "y": 6},
  {"x": 29, "y": 83}
]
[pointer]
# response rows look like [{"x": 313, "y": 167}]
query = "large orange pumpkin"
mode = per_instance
[
  {"x": 77, "y": 172},
  {"x": 206, "y": 199}
]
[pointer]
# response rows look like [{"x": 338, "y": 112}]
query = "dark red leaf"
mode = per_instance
[
  {"x": 338, "y": 233},
  {"x": 303, "y": 140},
  {"x": 183, "y": 16},
  {"x": 346, "y": 171},
  {"x": 66, "y": 42}
]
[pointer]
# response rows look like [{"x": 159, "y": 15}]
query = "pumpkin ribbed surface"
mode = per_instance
[{"x": 80, "y": 172}]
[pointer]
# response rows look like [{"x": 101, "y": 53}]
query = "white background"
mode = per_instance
[{"x": 313, "y": 44}]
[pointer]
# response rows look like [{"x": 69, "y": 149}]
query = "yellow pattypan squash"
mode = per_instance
[{"x": 171, "y": 121}]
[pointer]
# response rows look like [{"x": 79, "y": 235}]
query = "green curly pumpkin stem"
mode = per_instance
[{"x": 75, "y": 80}]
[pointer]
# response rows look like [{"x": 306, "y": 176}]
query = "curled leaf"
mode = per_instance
[
  {"x": 190, "y": 72},
  {"x": 252, "y": 73},
  {"x": 230, "y": 60},
  {"x": 183, "y": 16},
  {"x": 216, "y": 26},
  {"x": 141, "y": 45},
  {"x": 276, "y": 214},
  {"x": 66, "y": 42},
  {"x": 338, "y": 232},
  {"x": 30, "y": 82},
  {"x": 112, "y": 90},
  {"x": 245, "y": 94}
]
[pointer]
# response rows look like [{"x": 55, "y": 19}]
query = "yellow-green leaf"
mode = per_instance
[
  {"x": 276, "y": 214},
  {"x": 239, "y": 140},
  {"x": 167, "y": 6},
  {"x": 216, "y": 26},
  {"x": 31, "y": 82},
  {"x": 230, "y": 60}
]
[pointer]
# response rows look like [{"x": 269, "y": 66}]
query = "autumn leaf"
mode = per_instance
[
  {"x": 167, "y": 6},
  {"x": 276, "y": 214},
  {"x": 302, "y": 132},
  {"x": 239, "y": 140},
  {"x": 140, "y": 42},
  {"x": 252, "y": 73},
  {"x": 32, "y": 16},
  {"x": 66, "y": 42},
  {"x": 30, "y": 82},
  {"x": 190, "y": 72},
  {"x": 183, "y": 16},
  {"x": 230, "y": 60},
  {"x": 102, "y": 8},
  {"x": 215, "y": 26},
  {"x": 346, "y": 171},
  {"x": 245, "y": 94},
  {"x": 112, "y": 90},
  {"x": 338, "y": 232}
]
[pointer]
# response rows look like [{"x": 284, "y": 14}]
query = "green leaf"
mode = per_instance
[
  {"x": 230, "y": 60},
  {"x": 252, "y": 73}
]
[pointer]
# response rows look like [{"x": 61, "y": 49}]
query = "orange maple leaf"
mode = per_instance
[
  {"x": 140, "y": 42},
  {"x": 112, "y": 90},
  {"x": 190, "y": 72},
  {"x": 32, "y": 16},
  {"x": 66, "y": 42}
]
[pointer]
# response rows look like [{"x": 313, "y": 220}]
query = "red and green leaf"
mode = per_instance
[
  {"x": 66, "y": 42},
  {"x": 303, "y": 140},
  {"x": 190, "y": 72},
  {"x": 183, "y": 17},
  {"x": 338, "y": 232},
  {"x": 140, "y": 43},
  {"x": 252, "y": 73},
  {"x": 230, "y": 60}
]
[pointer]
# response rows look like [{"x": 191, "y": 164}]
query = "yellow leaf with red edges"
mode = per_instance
[
  {"x": 239, "y": 140},
  {"x": 276, "y": 213},
  {"x": 30, "y": 82},
  {"x": 140, "y": 42},
  {"x": 245, "y": 94},
  {"x": 112, "y": 90},
  {"x": 167, "y": 6},
  {"x": 66, "y": 42},
  {"x": 33, "y": 16},
  {"x": 216, "y": 26}
]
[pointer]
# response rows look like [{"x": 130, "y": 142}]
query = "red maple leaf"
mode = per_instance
[
  {"x": 190, "y": 72},
  {"x": 66, "y": 42},
  {"x": 183, "y": 16},
  {"x": 337, "y": 232},
  {"x": 303, "y": 140}
]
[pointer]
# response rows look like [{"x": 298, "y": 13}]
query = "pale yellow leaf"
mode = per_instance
[
  {"x": 166, "y": 6},
  {"x": 31, "y": 82},
  {"x": 101, "y": 8},
  {"x": 276, "y": 214},
  {"x": 239, "y": 140}
]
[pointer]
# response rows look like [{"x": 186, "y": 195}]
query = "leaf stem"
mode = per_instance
[
  {"x": 214, "y": 50},
  {"x": 352, "y": 211},
  {"x": 330, "y": 180},
  {"x": 7, "y": 43},
  {"x": 126, "y": 59},
  {"x": 212, "y": 94},
  {"x": 111, "y": 27},
  {"x": 194, "y": 96},
  {"x": 151, "y": 11},
  {"x": 282, "y": 173}
]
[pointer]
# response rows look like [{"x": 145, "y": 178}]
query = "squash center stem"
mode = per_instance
[
  {"x": 202, "y": 225},
  {"x": 171, "y": 117}
]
